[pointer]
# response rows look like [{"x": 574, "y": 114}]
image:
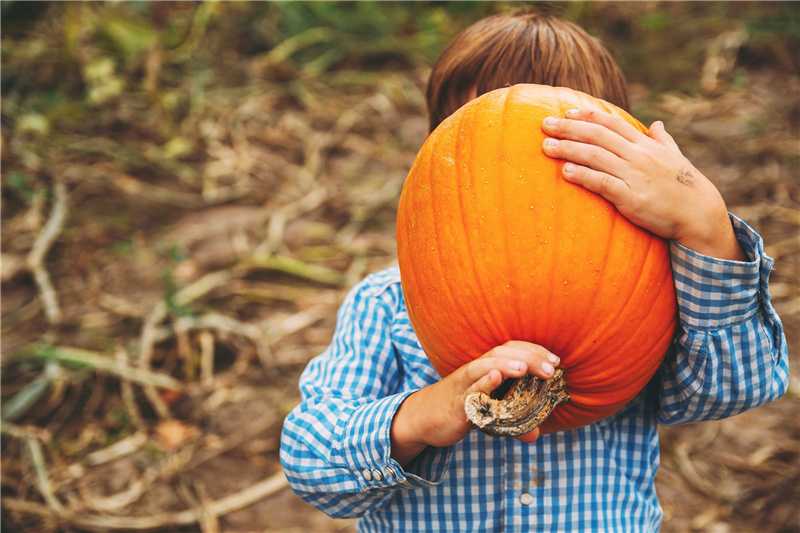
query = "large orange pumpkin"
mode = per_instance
[{"x": 494, "y": 245}]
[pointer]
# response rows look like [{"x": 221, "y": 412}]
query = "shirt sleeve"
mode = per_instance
[
  {"x": 335, "y": 446},
  {"x": 731, "y": 353}
]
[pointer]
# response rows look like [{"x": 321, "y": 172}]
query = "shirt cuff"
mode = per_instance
[
  {"x": 367, "y": 450},
  {"x": 715, "y": 293}
]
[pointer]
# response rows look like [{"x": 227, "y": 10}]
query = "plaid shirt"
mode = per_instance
[{"x": 729, "y": 357}]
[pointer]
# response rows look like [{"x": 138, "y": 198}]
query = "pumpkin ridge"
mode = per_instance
[
  {"x": 477, "y": 282},
  {"x": 509, "y": 277},
  {"x": 455, "y": 300},
  {"x": 594, "y": 296},
  {"x": 669, "y": 331},
  {"x": 411, "y": 271},
  {"x": 631, "y": 337},
  {"x": 494, "y": 318},
  {"x": 408, "y": 269}
]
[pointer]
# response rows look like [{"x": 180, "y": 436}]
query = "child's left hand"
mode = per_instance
[{"x": 645, "y": 176}]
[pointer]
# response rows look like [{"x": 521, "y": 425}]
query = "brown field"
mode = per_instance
[{"x": 189, "y": 190}]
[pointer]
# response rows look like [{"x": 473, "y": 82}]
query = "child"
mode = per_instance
[{"x": 381, "y": 436}]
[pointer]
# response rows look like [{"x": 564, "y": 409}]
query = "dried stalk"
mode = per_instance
[
  {"x": 98, "y": 361},
  {"x": 121, "y": 448},
  {"x": 96, "y": 522},
  {"x": 295, "y": 267},
  {"x": 147, "y": 340},
  {"x": 126, "y": 390},
  {"x": 526, "y": 405},
  {"x": 43, "y": 481},
  {"x": 150, "y": 332},
  {"x": 45, "y": 239},
  {"x": 206, "y": 356}
]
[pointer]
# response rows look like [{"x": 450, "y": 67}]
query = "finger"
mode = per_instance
[
  {"x": 659, "y": 134},
  {"x": 537, "y": 360},
  {"x": 615, "y": 123},
  {"x": 612, "y": 189},
  {"x": 588, "y": 155},
  {"x": 487, "y": 383},
  {"x": 587, "y": 133},
  {"x": 507, "y": 368},
  {"x": 529, "y": 437},
  {"x": 535, "y": 349}
]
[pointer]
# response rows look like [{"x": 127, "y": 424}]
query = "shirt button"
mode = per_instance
[
  {"x": 367, "y": 474},
  {"x": 525, "y": 498},
  {"x": 377, "y": 475},
  {"x": 390, "y": 472}
]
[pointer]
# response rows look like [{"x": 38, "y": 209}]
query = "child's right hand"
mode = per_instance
[{"x": 434, "y": 415}]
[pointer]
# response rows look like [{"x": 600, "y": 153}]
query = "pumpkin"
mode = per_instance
[{"x": 494, "y": 245}]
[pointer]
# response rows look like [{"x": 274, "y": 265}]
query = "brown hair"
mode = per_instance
[{"x": 524, "y": 47}]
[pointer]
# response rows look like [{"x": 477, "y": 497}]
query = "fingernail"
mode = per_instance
[
  {"x": 553, "y": 358},
  {"x": 515, "y": 365},
  {"x": 571, "y": 112},
  {"x": 551, "y": 142},
  {"x": 547, "y": 368},
  {"x": 569, "y": 168},
  {"x": 550, "y": 121}
]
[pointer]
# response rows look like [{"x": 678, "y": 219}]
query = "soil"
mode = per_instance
[{"x": 223, "y": 269}]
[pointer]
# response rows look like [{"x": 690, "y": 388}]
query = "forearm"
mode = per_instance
[
  {"x": 405, "y": 440},
  {"x": 337, "y": 458}
]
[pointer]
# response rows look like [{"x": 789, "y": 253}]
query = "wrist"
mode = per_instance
[
  {"x": 710, "y": 232},
  {"x": 405, "y": 437}
]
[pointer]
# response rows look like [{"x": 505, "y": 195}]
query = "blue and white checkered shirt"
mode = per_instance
[{"x": 729, "y": 357}]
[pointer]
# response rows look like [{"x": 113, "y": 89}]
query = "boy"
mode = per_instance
[{"x": 381, "y": 436}]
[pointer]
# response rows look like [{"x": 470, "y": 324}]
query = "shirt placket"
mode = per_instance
[{"x": 520, "y": 494}]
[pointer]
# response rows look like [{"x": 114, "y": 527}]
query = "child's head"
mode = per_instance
[{"x": 524, "y": 47}]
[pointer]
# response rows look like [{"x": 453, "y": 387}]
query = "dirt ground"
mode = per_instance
[{"x": 159, "y": 301}]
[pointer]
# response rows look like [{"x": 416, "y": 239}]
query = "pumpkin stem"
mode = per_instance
[{"x": 527, "y": 403}]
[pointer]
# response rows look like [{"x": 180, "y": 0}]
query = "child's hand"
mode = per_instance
[
  {"x": 645, "y": 176},
  {"x": 434, "y": 416}
]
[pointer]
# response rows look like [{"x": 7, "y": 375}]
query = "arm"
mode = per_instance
[
  {"x": 731, "y": 355},
  {"x": 357, "y": 438},
  {"x": 335, "y": 447}
]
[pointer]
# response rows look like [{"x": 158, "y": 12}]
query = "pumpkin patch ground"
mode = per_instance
[{"x": 185, "y": 204}]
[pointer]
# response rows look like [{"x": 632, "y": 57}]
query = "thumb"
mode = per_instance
[
  {"x": 659, "y": 134},
  {"x": 487, "y": 383}
]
